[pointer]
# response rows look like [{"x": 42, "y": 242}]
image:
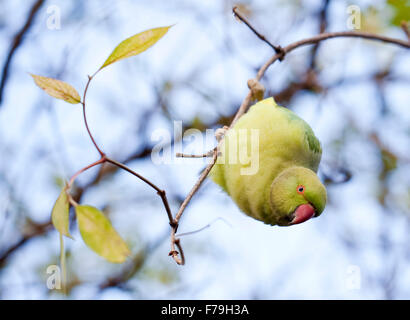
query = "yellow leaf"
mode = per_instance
[
  {"x": 57, "y": 89},
  {"x": 136, "y": 44},
  {"x": 98, "y": 233},
  {"x": 60, "y": 214}
]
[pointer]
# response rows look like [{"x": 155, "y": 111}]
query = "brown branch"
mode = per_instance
[
  {"x": 100, "y": 161},
  {"x": 239, "y": 15},
  {"x": 17, "y": 41},
  {"x": 174, "y": 239},
  {"x": 159, "y": 191},
  {"x": 346, "y": 34},
  {"x": 203, "y": 228},
  {"x": 204, "y": 155},
  {"x": 322, "y": 15},
  {"x": 36, "y": 230},
  {"x": 280, "y": 55}
]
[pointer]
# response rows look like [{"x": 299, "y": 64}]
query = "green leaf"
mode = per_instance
[
  {"x": 136, "y": 44},
  {"x": 60, "y": 214},
  {"x": 57, "y": 89},
  {"x": 98, "y": 233}
]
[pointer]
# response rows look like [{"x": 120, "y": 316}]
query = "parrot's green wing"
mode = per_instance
[{"x": 312, "y": 142}]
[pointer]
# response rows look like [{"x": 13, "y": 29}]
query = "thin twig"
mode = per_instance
[
  {"x": 85, "y": 117},
  {"x": 203, "y": 228},
  {"x": 322, "y": 15},
  {"x": 70, "y": 183},
  {"x": 195, "y": 188},
  {"x": 174, "y": 239},
  {"x": 204, "y": 155},
  {"x": 17, "y": 41},
  {"x": 239, "y": 15},
  {"x": 174, "y": 253},
  {"x": 100, "y": 161},
  {"x": 159, "y": 191}
]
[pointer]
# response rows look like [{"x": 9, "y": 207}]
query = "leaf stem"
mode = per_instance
[
  {"x": 159, "y": 191},
  {"x": 63, "y": 266},
  {"x": 100, "y": 161},
  {"x": 85, "y": 116}
]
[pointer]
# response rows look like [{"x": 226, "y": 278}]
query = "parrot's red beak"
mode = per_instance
[{"x": 303, "y": 213}]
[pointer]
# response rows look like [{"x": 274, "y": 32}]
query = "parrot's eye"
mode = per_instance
[{"x": 300, "y": 189}]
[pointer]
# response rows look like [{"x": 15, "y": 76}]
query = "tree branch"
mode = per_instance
[
  {"x": 239, "y": 15},
  {"x": 17, "y": 41}
]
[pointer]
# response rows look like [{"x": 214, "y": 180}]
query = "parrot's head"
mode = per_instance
[{"x": 296, "y": 195}]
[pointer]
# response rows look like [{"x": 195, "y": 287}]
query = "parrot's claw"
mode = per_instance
[
  {"x": 220, "y": 133},
  {"x": 257, "y": 89}
]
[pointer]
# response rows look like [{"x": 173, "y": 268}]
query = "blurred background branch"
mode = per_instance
[{"x": 16, "y": 43}]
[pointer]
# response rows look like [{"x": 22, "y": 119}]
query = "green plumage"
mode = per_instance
[{"x": 268, "y": 153}]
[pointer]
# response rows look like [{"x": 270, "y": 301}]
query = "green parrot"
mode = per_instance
[{"x": 268, "y": 163}]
